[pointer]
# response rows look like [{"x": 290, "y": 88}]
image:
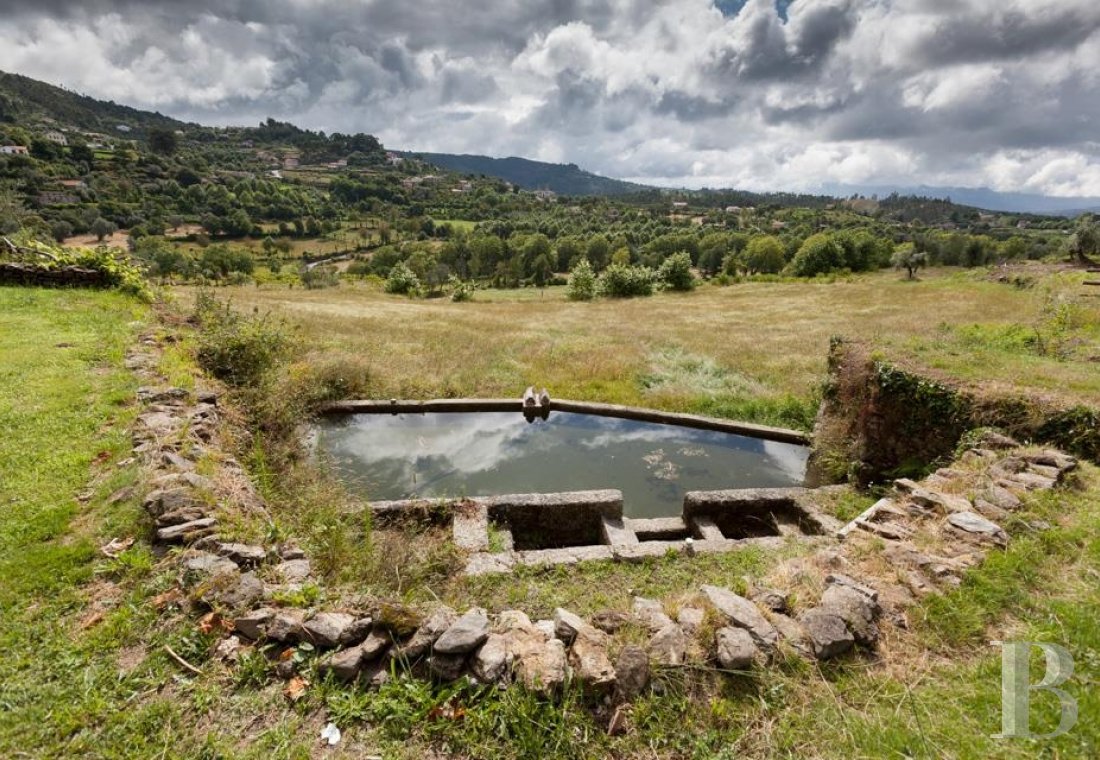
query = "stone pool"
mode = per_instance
[{"x": 457, "y": 454}]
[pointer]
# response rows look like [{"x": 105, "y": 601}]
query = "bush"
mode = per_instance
[
  {"x": 320, "y": 277},
  {"x": 618, "y": 281},
  {"x": 675, "y": 273},
  {"x": 582, "y": 282},
  {"x": 461, "y": 291},
  {"x": 238, "y": 349},
  {"x": 402, "y": 280}
]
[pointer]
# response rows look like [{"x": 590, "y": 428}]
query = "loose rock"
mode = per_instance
[
  {"x": 650, "y": 613},
  {"x": 591, "y": 665},
  {"x": 829, "y": 635},
  {"x": 631, "y": 672},
  {"x": 465, "y": 634},
  {"x": 567, "y": 624},
  {"x": 736, "y": 649},
  {"x": 490, "y": 663},
  {"x": 742, "y": 614},
  {"x": 668, "y": 645},
  {"x": 326, "y": 629},
  {"x": 855, "y": 609}
]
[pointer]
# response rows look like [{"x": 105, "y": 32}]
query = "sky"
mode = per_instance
[{"x": 753, "y": 94}]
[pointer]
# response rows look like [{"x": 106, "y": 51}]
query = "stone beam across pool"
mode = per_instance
[{"x": 395, "y": 406}]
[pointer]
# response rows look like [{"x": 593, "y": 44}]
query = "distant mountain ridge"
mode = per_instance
[
  {"x": 26, "y": 100},
  {"x": 564, "y": 179},
  {"x": 978, "y": 197}
]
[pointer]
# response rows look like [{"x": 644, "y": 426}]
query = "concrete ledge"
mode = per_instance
[
  {"x": 658, "y": 527},
  {"x": 551, "y": 520},
  {"x": 395, "y": 406},
  {"x": 570, "y": 555},
  {"x": 615, "y": 533}
]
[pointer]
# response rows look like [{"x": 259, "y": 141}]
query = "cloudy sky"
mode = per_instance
[{"x": 759, "y": 94}]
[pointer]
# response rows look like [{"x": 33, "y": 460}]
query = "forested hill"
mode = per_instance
[
  {"x": 564, "y": 179},
  {"x": 24, "y": 100}
]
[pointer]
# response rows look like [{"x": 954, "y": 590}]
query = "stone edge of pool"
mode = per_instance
[{"x": 641, "y": 414}]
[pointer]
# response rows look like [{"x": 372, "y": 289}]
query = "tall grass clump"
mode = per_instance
[{"x": 238, "y": 349}]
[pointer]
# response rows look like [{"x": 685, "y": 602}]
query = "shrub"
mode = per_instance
[
  {"x": 402, "y": 280},
  {"x": 461, "y": 291},
  {"x": 319, "y": 277},
  {"x": 238, "y": 349},
  {"x": 582, "y": 282},
  {"x": 618, "y": 281},
  {"x": 675, "y": 273}
]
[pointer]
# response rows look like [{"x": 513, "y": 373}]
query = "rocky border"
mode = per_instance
[{"x": 950, "y": 516}]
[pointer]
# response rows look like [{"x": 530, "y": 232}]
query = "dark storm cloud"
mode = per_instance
[{"x": 765, "y": 93}]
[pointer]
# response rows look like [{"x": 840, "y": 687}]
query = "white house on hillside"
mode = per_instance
[
  {"x": 56, "y": 137},
  {"x": 13, "y": 150}
]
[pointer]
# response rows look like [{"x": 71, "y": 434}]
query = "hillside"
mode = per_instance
[
  {"x": 24, "y": 100},
  {"x": 564, "y": 179},
  {"x": 980, "y": 197}
]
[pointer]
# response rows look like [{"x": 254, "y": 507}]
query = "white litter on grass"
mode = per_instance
[{"x": 331, "y": 734}]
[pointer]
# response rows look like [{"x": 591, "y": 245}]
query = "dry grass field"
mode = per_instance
[{"x": 753, "y": 351}]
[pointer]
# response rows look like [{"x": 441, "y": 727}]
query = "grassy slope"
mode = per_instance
[
  {"x": 82, "y": 673},
  {"x": 754, "y": 351}
]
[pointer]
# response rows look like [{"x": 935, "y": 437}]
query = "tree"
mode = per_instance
[
  {"x": 764, "y": 255},
  {"x": 1085, "y": 242},
  {"x": 621, "y": 256},
  {"x": 582, "y": 282},
  {"x": 82, "y": 154},
  {"x": 12, "y": 211},
  {"x": 907, "y": 257},
  {"x": 676, "y": 272},
  {"x": 541, "y": 271},
  {"x": 402, "y": 280},
  {"x": 619, "y": 281},
  {"x": 599, "y": 250},
  {"x": 101, "y": 228},
  {"x": 163, "y": 141},
  {"x": 819, "y": 254},
  {"x": 61, "y": 230},
  {"x": 175, "y": 221}
]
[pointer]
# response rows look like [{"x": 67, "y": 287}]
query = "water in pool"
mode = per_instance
[{"x": 456, "y": 454}]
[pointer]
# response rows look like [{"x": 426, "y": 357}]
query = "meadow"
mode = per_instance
[{"x": 754, "y": 351}]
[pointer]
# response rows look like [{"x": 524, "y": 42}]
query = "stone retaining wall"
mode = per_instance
[{"x": 27, "y": 275}]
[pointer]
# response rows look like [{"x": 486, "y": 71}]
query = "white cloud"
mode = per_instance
[{"x": 996, "y": 92}]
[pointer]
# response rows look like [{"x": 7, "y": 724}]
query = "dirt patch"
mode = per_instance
[{"x": 117, "y": 239}]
